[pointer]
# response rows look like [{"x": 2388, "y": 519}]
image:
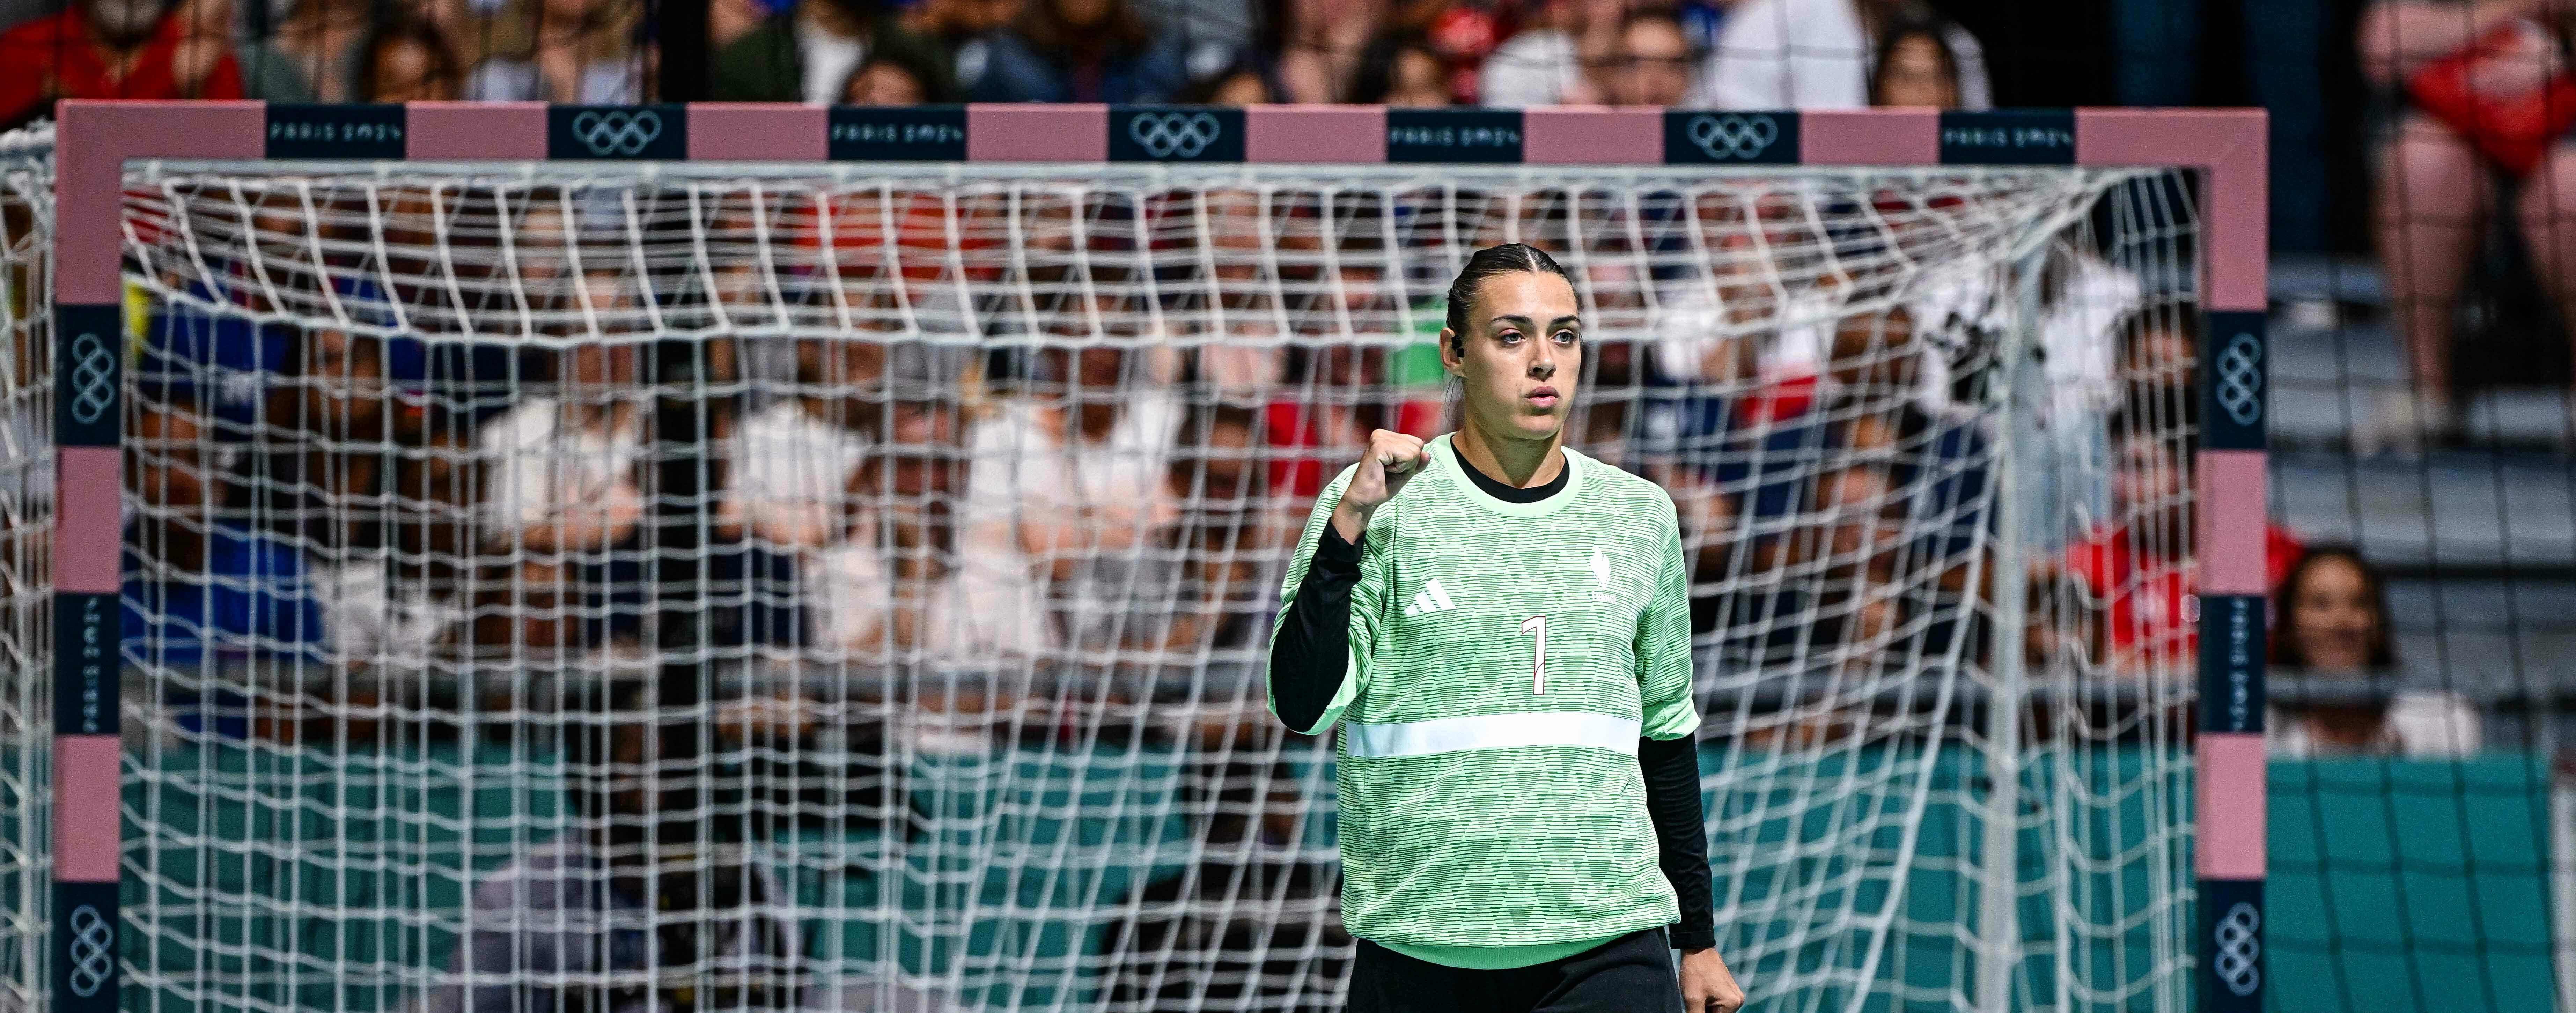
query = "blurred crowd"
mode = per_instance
[
  {"x": 1085, "y": 497},
  {"x": 394, "y": 430},
  {"x": 1742, "y": 54}
]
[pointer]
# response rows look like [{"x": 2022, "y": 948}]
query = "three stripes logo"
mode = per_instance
[{"x": 1432, "y": 598}]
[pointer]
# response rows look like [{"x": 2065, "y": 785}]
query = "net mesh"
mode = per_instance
[
  {"x": 717, "y": 586},
  {"x": 26, "y": 572}
]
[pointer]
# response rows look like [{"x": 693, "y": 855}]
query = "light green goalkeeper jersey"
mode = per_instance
[{"x": 1505, "y": 658}]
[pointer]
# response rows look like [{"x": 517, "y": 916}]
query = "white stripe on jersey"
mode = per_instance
[{"x": 1491, "y": 731}]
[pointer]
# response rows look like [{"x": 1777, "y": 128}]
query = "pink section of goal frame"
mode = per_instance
[{"x": 2227, "y": 146}]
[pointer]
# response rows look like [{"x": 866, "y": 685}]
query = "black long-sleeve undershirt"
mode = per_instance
[
  {"x": 1312, "y": 652},
  {"x": 1311, "y": 656}
]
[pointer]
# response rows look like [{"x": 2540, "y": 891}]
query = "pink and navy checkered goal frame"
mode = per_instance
[{"x": 96, "y": 139}]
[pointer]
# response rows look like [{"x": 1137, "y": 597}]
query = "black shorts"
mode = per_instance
[{"x": 1629, "y": 974}]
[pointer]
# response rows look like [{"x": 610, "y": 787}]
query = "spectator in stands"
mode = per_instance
[
  {"x": 792, "y": 460},
  {"x": 2138, "y": 569},
  {"x": 107, "y": 49},
  {"x": 1241, "y": 359},
  {"x": 2440, "y": 179},
  {"x": 565, "y": 499},
  {"x": 1915, "y": 69},
  {"x": 1930, "y": 461},
  {"x": 1336, "y": 390},
  {"x": 2332, "y": 620},
  {"x": 1083, "y": 51},
  {"x": 319, "y": 451},
  {"x": 1241, "y": 83},
  {"x": 321, "y": 43},
  {"x": 810, "y": 54},
  {"x": 1083, "y": 462},
  {"x": 1464, "y": 34},
  {"x": 1818, "y": 54},
  {"x": 407, "y": 61},
  {"x": 1223, "y": 534},
  {"x": 467, "y": 25},
  {"x": 378, "y": 508},
  {"x": 1654, "y": 65},
  {"x": 581, "y": 51},
  {"x": 963, "y": 29},
  {"x": 412, "y": 596},
  {"x": 968, "y": 596},
  {"x": 268, "y": 74},
  {"x": 198, "y": 585},
  {"x": 1400, "y": 69},
  {"x": 889, "y": 79},
  {"x": 1546, "y": 62},
  {"x": 1314, "y": 48}
]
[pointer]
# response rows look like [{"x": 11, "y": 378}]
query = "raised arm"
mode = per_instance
[{"x": 1329, "y": 603}]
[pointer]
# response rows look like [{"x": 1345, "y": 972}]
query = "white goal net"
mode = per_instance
[
  {"x": 694, "y": 586},
  {"x": 26, "y": 509}
]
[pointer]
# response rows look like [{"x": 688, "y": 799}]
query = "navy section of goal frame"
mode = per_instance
[
  {"x": 89, "y": 413},
  {"x": 357, "y": 131},
  {"x": 896, "y": 133},
  {"x": 1453, "y": 135},
  {"x": 1175, "y": 134},
  {"x": 85, "y": 945},
  {"x": 1713, "y": 137},
  {"x": 624, "y": 133},
  {"x": 2229, "y": 938},
  {"x": 2008, "y": 137}
]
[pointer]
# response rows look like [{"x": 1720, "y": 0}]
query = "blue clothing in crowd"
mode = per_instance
[
  {"x": 218, "y": 365},
  {"x": 252, "y": 602},
  {"x": 1018, "y": 73}
]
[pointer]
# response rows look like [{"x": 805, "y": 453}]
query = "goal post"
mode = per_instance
[{"x": 914, "y": 739}]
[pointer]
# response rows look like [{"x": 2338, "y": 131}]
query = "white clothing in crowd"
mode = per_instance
[
  {"x": 540, "y": 466},
  {"x": 1538, "y": 67},
  {"x": 1028, "y": 475},
  {"x": 1815, "y": 54},
  {"x": 605, "y": 82},
  {"x": 366, "y": 618},
  {"x": 2420, "y": 723}
]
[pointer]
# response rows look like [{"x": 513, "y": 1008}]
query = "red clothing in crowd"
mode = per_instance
[
  {"x": 55, "y": 58},
  {"x": 2154, "y": 614}
]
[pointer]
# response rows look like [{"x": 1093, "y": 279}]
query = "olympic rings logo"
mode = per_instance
[
  {"x": 1170, "y": 135},
  {"x": 93, "y": 378},
  {"x": 1733, "y": 135},
  {"x": 2240, "y": 380},
  {"x": 617, "y": 131},
  {"x": 92, "y": 956},
  {"x": 2239, "y": 950}
]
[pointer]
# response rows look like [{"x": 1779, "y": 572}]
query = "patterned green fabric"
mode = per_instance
[{"x": 1507, "y": 832}]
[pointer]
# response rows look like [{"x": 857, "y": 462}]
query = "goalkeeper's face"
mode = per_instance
[{"x": 1521, "y": 355}]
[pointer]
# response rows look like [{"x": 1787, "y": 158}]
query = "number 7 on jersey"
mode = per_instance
[{"x": 1538, "y": 657}]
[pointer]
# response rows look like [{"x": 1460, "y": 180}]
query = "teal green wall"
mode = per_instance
[{"x": 2396, "y": 885}]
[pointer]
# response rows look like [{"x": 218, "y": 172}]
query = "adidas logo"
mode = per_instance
[{"x": 1432, "y": 598}]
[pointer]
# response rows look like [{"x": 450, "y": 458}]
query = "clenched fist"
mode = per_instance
[{"x": 1393, "y": 459}]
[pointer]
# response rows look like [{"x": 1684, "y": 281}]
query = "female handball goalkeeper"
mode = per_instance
[{"x": 1505, "y": 624}]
